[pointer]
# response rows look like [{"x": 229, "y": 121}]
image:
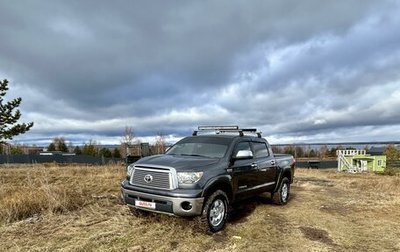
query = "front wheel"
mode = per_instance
[
  {"x": 215, "y": 212},
  {"x": 281, "y": 196}
]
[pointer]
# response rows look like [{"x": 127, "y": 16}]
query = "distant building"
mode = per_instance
[{"x": 360, "y": 161}]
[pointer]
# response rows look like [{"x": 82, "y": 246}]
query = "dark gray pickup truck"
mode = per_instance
[{"x": 203, "y": 174}]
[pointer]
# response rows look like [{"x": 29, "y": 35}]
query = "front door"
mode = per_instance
[{"x": 245, "y": 171}]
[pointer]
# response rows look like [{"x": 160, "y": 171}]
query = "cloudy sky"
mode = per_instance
[{"x": 299, "y": 71}]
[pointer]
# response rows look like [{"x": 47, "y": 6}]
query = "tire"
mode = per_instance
[
  {"x": 215, "y": 212},
  {"x": 281, "y": 197}
]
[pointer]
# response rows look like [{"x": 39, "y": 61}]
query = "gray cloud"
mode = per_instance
[{"x": 297, "y": 70}]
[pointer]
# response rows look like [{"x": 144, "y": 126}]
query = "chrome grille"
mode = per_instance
[{"x": 160, "y": 178}]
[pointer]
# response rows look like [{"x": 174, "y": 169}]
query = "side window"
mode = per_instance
[
  {"x": 260, "y": 150},
  {"x": 242, "y": 146}
]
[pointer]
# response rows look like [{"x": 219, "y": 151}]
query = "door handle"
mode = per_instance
[
  {"x": 254, "y": 165},
  {"x": 273, "y": 162}
]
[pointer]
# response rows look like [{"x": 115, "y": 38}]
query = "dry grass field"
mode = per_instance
[{"x": 75, "y": 208}]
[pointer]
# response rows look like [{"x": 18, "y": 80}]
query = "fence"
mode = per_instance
[
  {"x": 38, "y": 159},
  {"x": 395, "y": 164},
  {"x": 323, "y": 164},
  {"x": 84, "y": 159}
]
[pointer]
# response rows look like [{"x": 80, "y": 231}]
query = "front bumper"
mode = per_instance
[{"x": 163, "y": 204}]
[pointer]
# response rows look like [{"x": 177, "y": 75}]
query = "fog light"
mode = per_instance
[{"x": 186, "y": 206}]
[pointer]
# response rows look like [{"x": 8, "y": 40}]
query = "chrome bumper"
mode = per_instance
[{"x": 164, "y": 204}]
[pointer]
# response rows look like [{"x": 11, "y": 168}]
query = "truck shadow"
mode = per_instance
[
  {"x": 242, "y": 209},
  {"x": 238, "y": 213}
]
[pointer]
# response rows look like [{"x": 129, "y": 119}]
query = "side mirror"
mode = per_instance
[{"x": 243, "y": 154}]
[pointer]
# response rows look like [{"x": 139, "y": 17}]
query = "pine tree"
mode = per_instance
[
  {"x": 51, "y": 147},
  {"x": 90, "y": 149},
  {"x": 78, "y": 150},
  {"x": 116, "y": 153},
  {"x": 8, "y": 117},
  {"x": 60, "y": 144},
  {"x": 104, "y": 152}
]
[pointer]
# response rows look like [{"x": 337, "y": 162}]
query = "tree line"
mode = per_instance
[
  {"x": 128, "y": 143},
  {"x": 308, "y": 152},
  {"x": 91, "y": 148},
  {"x": 391, "y": 152}
]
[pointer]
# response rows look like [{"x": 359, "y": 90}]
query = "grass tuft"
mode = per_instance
[{"x": 28, "y": 192}]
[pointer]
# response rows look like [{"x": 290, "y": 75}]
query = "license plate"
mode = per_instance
[{"x": 145, "y": 204}]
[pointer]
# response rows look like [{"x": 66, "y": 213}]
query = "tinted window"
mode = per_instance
[
  {"x": 200, "y": 146},
  {"x": 207, "y": 139},
  {"x": 260, "y": 150},
  {"x": 242, "y": 146}
]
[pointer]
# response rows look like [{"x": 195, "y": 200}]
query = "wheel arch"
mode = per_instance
[
  {"x": 285, "y": 173},
  {"x": 220, "y": 183}
]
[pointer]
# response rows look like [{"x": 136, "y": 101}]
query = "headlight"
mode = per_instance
[
  {"x": 129, "y": 170},
  {"x": 189, "y": 177}
]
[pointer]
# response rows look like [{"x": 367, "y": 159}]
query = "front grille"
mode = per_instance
[{"x": 156, "y": 178}]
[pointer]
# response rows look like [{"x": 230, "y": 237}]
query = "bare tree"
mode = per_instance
[
  {"x": 277, "y": 149},
  {"x": 160, "y": 143},
  {"x": 128, "y": 139},
  {"x": 323, "y": 151},
  {"x": 391, "y": 152},
  {"x": 299, "y": 151},
  {"x": 290, "y": 149}
]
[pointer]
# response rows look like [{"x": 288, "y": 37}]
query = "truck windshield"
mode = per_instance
[{"x": 199, "y": 147}]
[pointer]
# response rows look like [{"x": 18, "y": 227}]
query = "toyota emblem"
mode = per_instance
[{"x": 148, "y": 178}]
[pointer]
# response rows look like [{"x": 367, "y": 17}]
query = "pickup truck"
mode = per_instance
[{"x": 202, "y": 175}]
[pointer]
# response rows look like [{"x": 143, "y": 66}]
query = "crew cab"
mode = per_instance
[{"x": 203, "y": 174}]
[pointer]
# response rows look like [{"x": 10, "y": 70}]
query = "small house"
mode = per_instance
[{"x": 360, "y": 161}]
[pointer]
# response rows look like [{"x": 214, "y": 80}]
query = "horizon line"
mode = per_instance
[{"x": 341, "y": 143}]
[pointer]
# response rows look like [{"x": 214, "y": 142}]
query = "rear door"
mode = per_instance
[{"x": 266, "y": 166}]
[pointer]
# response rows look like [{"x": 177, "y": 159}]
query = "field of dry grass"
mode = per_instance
[{"x": 75, "y": 208}]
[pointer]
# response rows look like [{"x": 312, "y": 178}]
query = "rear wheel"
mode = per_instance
[
  {"x": 215, "y": 212},
  {"x": 281, "y": 196}
]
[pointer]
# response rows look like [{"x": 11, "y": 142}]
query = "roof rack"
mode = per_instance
[{"x": 226, "y": 129}]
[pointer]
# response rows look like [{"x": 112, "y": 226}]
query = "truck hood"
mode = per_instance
[{"x": 180, "y": 163}]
